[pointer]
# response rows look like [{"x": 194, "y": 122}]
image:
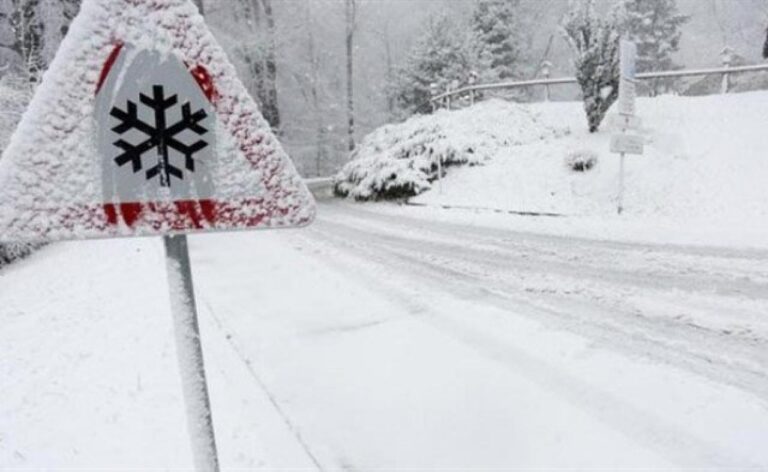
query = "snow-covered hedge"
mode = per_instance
[{"x": 397, "y": 161}]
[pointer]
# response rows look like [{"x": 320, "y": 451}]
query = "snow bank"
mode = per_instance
[{"x": 401, "y": 160}]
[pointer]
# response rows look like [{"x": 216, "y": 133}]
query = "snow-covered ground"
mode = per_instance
[
  {"x": 390, "y": 337},
  {"x": 704, "y": 161}
]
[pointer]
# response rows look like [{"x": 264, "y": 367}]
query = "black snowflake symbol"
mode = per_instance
[{"x": 160, "y": 136}]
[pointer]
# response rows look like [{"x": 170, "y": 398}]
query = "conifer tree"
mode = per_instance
[
  {"x": 655, "y": 27},
  {"x": 440, "y": 56},
  {"x": 500, "y": 35},
  {"x": 595, "y": 41}
]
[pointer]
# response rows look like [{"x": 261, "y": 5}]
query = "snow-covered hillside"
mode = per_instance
[{"x": 704, "y": 159}]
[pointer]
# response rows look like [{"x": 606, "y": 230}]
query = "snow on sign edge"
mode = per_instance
[{"x": 50, "y": 174}]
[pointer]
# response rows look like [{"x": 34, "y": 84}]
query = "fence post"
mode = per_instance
[
  {"x": 727, "y": 57},
  {"x": 472, "y": 82},
  {"x": 454, "y": 87},
  {"x": 546, "y": 70},
  {"x": 433, "y": 91}
]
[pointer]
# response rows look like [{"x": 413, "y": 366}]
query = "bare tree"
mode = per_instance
[
  {"x": 271, "y": 110},
  {"x": 314, "y": 77},
  {"x": 27, "y": 32}
]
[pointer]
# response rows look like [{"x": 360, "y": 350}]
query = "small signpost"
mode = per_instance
[
  {"x": 626, "y": 143},
  {"x": 142, "y": 128}
]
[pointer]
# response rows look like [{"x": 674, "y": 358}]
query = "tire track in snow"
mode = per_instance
[
  {"x": 738, "y": 272},
  {"x": 689, "y": 347},
  {"x": 669, "y": 440},
  {"x": 603, "y": 297},
  {"x": 501, "y": 274}
]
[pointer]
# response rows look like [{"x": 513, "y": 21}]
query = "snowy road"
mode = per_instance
[
  {"x": 380, "y": 339},
  {"x": 702, "y": 309}
]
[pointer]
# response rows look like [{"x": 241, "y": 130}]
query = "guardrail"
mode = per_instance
[
  {"x": 321, "y": 187},
  {"x": 473, "y": 89}
]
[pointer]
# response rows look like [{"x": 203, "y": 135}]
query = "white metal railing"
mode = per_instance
[
  {"x": 321, "y": 187},
  {"x": 472, "y": 89}
]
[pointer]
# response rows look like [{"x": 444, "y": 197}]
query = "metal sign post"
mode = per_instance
[
  {"x": 623, "y": 154},
  {"x": 189, "y": 351},
  {"x": 625, "y": 143},
  {"x": 439, "y": 174},
  {"x": 189, "y": 348}
]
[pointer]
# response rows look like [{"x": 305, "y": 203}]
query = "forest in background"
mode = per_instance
[{"x": 296, "y": 56}]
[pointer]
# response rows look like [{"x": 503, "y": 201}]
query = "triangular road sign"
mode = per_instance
[{"x": 141, "y": 127}]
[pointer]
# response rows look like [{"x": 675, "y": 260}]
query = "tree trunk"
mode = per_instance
[
  {"x": 271, "y": 110},
  {"x": 350, "y": 22},
  {"x": 314, "y": 76}
]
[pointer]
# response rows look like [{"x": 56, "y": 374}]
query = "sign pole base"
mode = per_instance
[
  {"x": 190, "y": 354},
  {"x": 621, "y": 184}
]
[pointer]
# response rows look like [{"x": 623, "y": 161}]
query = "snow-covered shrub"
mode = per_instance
[
  {"x": 397, "y": 161},
  {"x": 594, "y": 39},
  {"x": 581, "y": 160},
  {"x": 13, "y": 252}
]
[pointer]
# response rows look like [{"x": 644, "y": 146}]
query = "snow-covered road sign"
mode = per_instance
[
  {"x": 624, "y": 122},
  {"x": 156, "y": 131},
  {"x": 627, "y": 143},
  {"x": 141, "y": 127},
  {"x": 628, "y": 81}
]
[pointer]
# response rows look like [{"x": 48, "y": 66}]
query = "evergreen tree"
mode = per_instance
[
  {"x": 441, "y": 55},
  {"x": 654, "y": 26},
  {"x": 595, "y": 44},
  {"x": 500, "y": 35}
]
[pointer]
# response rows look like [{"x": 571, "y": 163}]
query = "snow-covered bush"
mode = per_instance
[
  {"x": 581, "y": 160},
  {"x": 594, "y": 40},
  {"x": 397, "y": 161},
  {"x": 13, "y": 252}
]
